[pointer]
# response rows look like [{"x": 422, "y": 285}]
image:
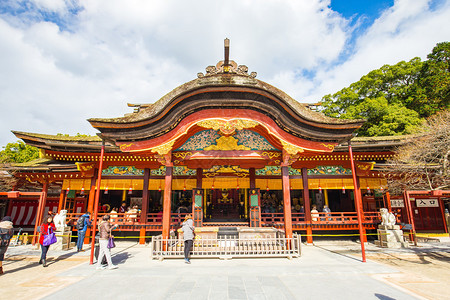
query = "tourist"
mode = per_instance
[
  {"x": 82, "y": 224},
  {"x": 6, "y": 233},
  {"x": 188, "y": 236},
  {"x": 327, "y": 211},
  {"x": 46, "y": 228},
  {"x": 113, "y": 214},
  {"x": 314, "y": 213},
  {"x": 105, "y": 229}
]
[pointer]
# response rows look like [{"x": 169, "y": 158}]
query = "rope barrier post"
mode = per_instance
[
  {"x": 358, "y": 203},
  {"x": 97, "y": 196}
]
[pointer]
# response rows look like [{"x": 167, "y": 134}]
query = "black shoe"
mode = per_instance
[
  {"x": 40, "y": 261},
  {"x": 43, "y": 263}
]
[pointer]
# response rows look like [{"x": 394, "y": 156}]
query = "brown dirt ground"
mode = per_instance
[{"x": 426, "y": 274}]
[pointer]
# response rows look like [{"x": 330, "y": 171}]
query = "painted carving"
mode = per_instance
[
  {"x": 226, "y": 143},
  {"x": 387, "y": 218},
  {"x": 60, "y": 219},
  {"x": 291, "y": 149},
  {"x": 122, "y": 170},
  {"x": 253, "y": 140},
  {"x": 216, "y": 170},
  {"x": 164, "y": 148},
  {"x": 199, "y": 141},
  {"x": 125, "y": 147},
  {"x": 227, "y": 127},
  {"x": 329, "y": 170},
  {"x": 329, "y": 146},
  {"x": 269, "y": 170}
]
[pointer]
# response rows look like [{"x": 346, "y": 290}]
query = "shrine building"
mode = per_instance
[{"x": 228, "y": 148}]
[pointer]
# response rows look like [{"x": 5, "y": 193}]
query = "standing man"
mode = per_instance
[
  {"x": 82, "y": 224},
  {"x": 188, "y": 236}
]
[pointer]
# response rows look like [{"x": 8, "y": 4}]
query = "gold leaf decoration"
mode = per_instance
[
  {"x": 227, "y": 127},
  {"x": 291, "y": 149},
  {"x": 226, "y": 143},
  {"x": 164, "y": 148}
]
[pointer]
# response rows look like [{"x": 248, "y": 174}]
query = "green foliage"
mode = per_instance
[
  {"x": 395, "y": 99},
  {"x": 18, "y": 152}
]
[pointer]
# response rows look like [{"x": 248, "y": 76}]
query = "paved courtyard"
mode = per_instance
[{"x": 319, "y": 274}]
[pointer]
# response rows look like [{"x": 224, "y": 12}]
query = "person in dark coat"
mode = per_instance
[
  {"x": 45, "y": 231},
  {"x": 188, "y": 236},
  {"x": 6, "y": 233}
]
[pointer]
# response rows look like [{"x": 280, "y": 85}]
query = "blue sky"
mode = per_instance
[{"x": 64, "y": 61}]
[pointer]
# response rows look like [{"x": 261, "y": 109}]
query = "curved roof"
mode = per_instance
[{"x": 225, "y": 89}]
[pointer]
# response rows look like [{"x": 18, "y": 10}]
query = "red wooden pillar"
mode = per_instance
[
  {"x": 441, "y": 205},
  {"x": 199, "y": 178},
  {"x": 287, "y": 201},
  {"x": 309, "y": 238},
  {"x": 252, "y": 175},
  {"x": 167, "y": 202},
  {"x": 41, "y": 209},
  {"x": 97, "y": 197},
  {"x": 410, "y": 216},
  {"x": 91, "y": 199},
  {"x": 358, "y": 202},
  {"x": 61, "y": 199},
  {"x": 388, "y": 201},
  {"x": 144, "y": 209}
]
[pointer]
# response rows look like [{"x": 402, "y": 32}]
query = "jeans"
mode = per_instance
[
  {"x": 44, "y": 251},
  {"x": 80, "y": 240},
  {"x": 104, "y": 251},
  {"x": 187, "y": 248}
]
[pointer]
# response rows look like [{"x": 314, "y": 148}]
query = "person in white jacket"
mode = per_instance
[{"x": 188, "y": 236}]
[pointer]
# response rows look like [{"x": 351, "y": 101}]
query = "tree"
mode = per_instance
[
  {"x": 18, "y": 152},
  {"x": 379, "y": 97},
  {"x": 431, "y": 92},
  {"x": 423, "y": 162},
  {"x": 396, "y": 99}
]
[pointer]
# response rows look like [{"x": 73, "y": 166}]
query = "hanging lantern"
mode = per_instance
[
  {"x": 368, "y": 189},
  {"x": 159, "y": 190},
  {"x": 82, "y": 191},
  {"x": 106, "y": 190},
  {"x": 343, "y": 189},
  {"x": 381, "y": 189},
  {"x": 320, "y": 189},
  {"x": 267, "y": 185},
  {"x": 237, "y": 187},
  {"x": 68, "y": 189},
  {"x": 130, "y": 191}
]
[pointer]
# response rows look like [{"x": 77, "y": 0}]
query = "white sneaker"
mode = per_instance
[
  {"x": 112, "y": 267},
  {"x": 100, "y": 268}
]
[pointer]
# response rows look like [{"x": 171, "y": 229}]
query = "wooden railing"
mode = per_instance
[
  {"x": 227, "y": 247},
  {"x": 323, "y": 218}
]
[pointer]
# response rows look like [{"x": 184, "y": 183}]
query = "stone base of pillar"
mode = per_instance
[
  {"x": 63, "y": 235},
  {"x": 390, "y": 236}
]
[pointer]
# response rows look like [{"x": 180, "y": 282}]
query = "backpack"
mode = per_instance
[{"x": 80, "y": 223}]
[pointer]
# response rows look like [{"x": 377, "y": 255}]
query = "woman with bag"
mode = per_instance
[
  {"x": 6, "y": 233},
  {"x": 106, "y": 242},
  {"x": 47, "y": 238}
]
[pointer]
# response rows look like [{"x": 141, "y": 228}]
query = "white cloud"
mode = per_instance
[{"x": 115, "y": 52}]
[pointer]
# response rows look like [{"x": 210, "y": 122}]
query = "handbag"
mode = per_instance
[
  {"x": 111, "y": 243},
  {"x": 49, "y": 238}
]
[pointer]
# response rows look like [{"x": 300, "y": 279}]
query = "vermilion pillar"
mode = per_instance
[
  {"x": 252, "y": 175},
  {"x": 358, "y": 202},
  {"x": 91, "y": 199},
  {"x": 97, "y": 198},
  {"x": 309, "y": 238},
  {"x": 41, "y": 209},
  {"x": 287, "y": 201},
  {"x": 167, "y": 202},
  {"x": 61, "y": 200},
  {"x": 144, "y": 209}
]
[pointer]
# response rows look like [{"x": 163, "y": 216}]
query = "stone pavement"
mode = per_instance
[{"x": 318, "y": 274}]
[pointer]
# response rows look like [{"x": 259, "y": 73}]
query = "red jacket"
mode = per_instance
[{"x": 44, "y": 231}]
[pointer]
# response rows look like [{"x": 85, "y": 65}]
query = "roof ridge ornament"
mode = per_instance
[{"x": 227, "y": 66}]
